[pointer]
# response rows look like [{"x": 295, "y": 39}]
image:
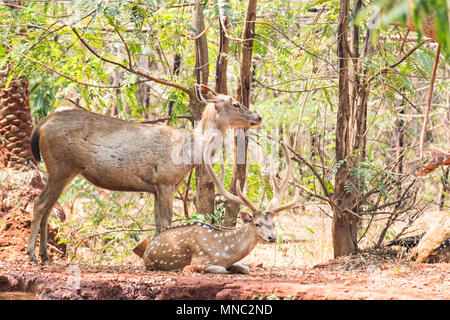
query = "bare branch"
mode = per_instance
[
  {"x": 392, "y": 66},
  {"x": 430, "y": 97},
  {"x": 292, "y": 91},
  {"x": 295, "y": 43},
  {"x": 125, "y": 45},
  {"x": 303, "y": 160}
]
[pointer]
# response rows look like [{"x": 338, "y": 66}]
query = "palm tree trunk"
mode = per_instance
[
  {"x": 15, "y": 125},
  {"x": 20, "y": 181}
]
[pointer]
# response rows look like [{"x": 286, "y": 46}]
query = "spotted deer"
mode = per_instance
[
  {"x": 125, "y": 156},
  {"x": 212, "y": 249}
]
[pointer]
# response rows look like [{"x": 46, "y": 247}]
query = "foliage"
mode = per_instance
[
  {"x": 294, "y": 90},
  {"x": 417, "y": 11}
]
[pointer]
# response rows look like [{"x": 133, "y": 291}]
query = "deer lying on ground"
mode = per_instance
[
  {"x": 212, "y": 249},
  {"x": 125, "y": 156}
]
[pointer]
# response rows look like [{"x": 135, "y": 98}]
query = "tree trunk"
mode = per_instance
[
  {"x": 204, "y": 200},
  {"x": 443, "y": 189},
  {"x": 239, "y": 173},
  {"x": 15, "y": 125},
  {"x": 399, "y": 141},
  {"x": 222, "y": 59},
  {"x": 245, "y": 75},
  {"x": 243, "y": 96},
  {"x": 344, "y": 222},
  {"x": 176, "y": 72}
]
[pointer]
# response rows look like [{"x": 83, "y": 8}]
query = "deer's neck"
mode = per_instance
[
  {"x": 211, "y": 120},
  {"x": 210, "y": 127},
  {"x": 241, "y": 241}
]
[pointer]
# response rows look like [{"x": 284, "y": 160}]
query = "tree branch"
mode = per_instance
[
  {"x": 62, "y": 74},
  {"x": 125, "y": 44},
  {"x": 392, "y": 66},
  {"x": 295, "y": 43},
  {"x": 292, "y": 91},
  {"x": 430, "y": 97},
  {"x": 310, "y": 166},
  {"x": 131, "y": 69}
]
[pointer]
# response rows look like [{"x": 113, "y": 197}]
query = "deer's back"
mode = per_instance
[
  {"x": 171, "y": 249},
  {"x": 111, "y": 153}
]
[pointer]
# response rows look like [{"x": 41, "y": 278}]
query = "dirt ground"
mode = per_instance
[
  {"x": 334, "y": 280},
  {"x": 276, "y": 273}
]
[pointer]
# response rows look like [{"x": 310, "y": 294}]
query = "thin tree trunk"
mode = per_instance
[
  {"x": 399, "y": 140},
  {"x": 443, "y": 190},
  {"x": 430, "y": 98},
  {"x": 176, "y": 72},
  {"x": 344, "y": 222},
  {"x": 204, "y": 200},
  {"x": 350, "y": 133},
  {"x": 222, "y": 59},
  {"x": 116, "y": 80},
  {"x": 245, "y": 75},
  {"x": 243, "y": 96}
]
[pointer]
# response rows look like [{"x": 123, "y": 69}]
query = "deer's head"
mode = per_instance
[
  {"x": 261, "y": 220},
  {"x": 226, "y": 110},
  {"x": 262, "y": 224}
]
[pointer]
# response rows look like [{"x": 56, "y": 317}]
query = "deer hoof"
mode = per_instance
[
  {"x": 215, "y": 269},
  {"x": 44, "y": 257},
  {"x": 239, "y": 268},
  {"x": 32, "y": 258},
  {"x": 193, "y": 268}
]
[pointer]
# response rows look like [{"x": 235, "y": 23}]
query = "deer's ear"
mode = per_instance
[
  {"x": 205, "y": 94},
  {"x": 245, "y": 216}
]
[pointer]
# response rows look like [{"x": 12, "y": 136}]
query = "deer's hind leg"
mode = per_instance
[{"x": 41, "y": 212}]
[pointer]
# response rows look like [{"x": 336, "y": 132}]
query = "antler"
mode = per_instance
[
  {"x": 280, "y": 188},
  {"x": 219, "y": 183}
]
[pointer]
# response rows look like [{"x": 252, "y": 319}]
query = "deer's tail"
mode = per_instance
[
  {"x": 35, "y": 143},
  {"x": 140, "y": 248}
]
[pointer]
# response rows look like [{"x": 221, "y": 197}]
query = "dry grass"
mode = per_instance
[{"x": 303, "y": 239}]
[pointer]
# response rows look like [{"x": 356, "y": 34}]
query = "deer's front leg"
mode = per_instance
[
  {"x": 239, "y": 268},
  {"x": 215, "y": 269},
  {"x": 163, "y": 206}
]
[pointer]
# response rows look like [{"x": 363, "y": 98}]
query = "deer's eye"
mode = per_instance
[
  {"x": 236, "y": 105},
  {"x": 257, "y": 225}
]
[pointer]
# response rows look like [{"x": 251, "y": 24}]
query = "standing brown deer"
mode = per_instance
[
  {"x": 211, "y": 249},
  {"x": 125, "y": 156}
]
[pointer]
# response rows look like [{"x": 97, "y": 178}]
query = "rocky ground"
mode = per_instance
[{"x": 363, "y": 276}]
